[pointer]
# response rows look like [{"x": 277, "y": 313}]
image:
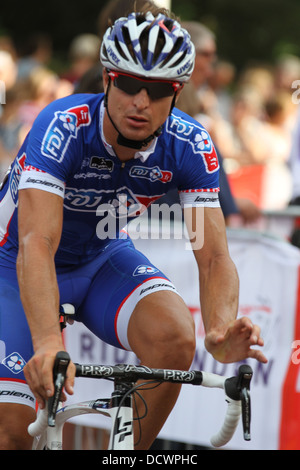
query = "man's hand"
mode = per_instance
[
  {"x": 236, "y": 343},
  {"x": 39, "y": 373}
]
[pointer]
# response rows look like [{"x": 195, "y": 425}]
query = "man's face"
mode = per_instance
[
  {"x": 136, "y": 116},
  {"x": 204, "y": 60}
]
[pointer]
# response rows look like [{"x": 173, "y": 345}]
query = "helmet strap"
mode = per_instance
[
  {"x": 173, "y": 103},
  {"x": 121, "y": 139}
]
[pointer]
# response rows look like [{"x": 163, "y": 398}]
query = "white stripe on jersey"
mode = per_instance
[
  {"x": 9, "y": 201},
  {"x": 7, "y": 208},
  {"x": 199, "y": 198},
  {"x": 33, "y": 178}
]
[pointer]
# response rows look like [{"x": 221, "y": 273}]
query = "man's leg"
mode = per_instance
[
  {"x": 161, "y": 334},
  {"x": 14, "y": 420},
  {"x": 131, "y": 304}
]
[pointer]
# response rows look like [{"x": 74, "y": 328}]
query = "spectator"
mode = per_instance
[
  {"x": 205, "y": 45},
  {"x": 43, "y": 86},
  {"x": 91, "y": 81},
  {"x": 34, "y": 52},
  {"x": 10, "y": 128},
  {"x": 84, "y": 54},
  {"x": 8, "y": 125},
  {"x": 220, "y": 82},
  {"x": 197, "y": 99},
  {"x": 294, "y": 163},
  {"x": 8, "y": 69}
]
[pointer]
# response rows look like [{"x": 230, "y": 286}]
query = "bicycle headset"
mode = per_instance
[{"x": 149, "y": 48}]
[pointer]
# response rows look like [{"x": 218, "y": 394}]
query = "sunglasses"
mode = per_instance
[
  {"x": 207, "y": 54},
  {"x": 131, "y": 84}
]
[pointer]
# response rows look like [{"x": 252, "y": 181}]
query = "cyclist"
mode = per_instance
[{"x": 87, "y": 159}]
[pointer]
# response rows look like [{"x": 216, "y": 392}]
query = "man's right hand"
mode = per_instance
[{"x": 39, "y": 372}]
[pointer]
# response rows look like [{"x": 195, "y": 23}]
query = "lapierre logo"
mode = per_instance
[
  {"x": 206, "y": 199},
  {"x": 62, "y": 129},
  {"x": 153, "y": 174},
  {"x": 44, "y": 183},
  {"x": 15, "y": 393},
  {"x": 198, "y": 138},
  {"x": 156, "y": 286}
]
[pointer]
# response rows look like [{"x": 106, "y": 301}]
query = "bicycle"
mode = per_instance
[{"x": 48, "y": 428}]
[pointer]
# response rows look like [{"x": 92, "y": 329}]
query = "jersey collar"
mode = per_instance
[{"x": 143, "y": 155}]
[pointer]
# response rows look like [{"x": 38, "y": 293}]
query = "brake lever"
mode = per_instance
[
  {"x": 59, "y": 375},
  {"x": 246, "y": 413},
  {"x": 238, "y": 388},
  {"x": 245, "y": 378}
]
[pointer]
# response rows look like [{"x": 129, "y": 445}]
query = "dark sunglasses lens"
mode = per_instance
[
  {"x": 132, "y": 86},
  {"x": 159, "y": 90},
  {"x": 126, "y": 84}
]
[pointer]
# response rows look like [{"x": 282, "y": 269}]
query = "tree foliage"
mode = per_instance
[{"x": 256, "y": 30}]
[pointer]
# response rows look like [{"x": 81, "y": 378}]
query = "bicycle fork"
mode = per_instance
[{"x": 121, "y": 412}]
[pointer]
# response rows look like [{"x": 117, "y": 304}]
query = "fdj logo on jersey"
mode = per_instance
[
  {"x": 153, "y": 174},
  {"x": 14, "y": 362},
  {"x": 16, "y": 172},
  {"x": 62, "y": 129},
  {"x": 198, "y": 138}
]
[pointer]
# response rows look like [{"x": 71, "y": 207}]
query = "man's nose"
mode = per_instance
[{"x": 141, "y": 99}]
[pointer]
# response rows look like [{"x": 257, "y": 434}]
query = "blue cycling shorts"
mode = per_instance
[{"x": 104, "y": 292}]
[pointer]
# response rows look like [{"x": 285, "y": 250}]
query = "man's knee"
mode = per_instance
[
  {"x": 162, "y": 328},
  {"x": 180, "y": 343},
  {"x": 14, "y": 420}
]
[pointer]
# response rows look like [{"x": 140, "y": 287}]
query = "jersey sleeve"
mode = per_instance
[
  {"x": 54, "y": 141},
  {"x": 31, "y": 177},
  {"x": 198, "y": 181}
]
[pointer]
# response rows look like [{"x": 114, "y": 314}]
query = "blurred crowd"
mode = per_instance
[
  {"x": 251, "y": 117},
  {"x": 30, "y": 84},
  {"x": 250, "y": 113}
]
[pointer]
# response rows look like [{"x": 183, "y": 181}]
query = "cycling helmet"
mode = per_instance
[{"x": 154, "y": 47}]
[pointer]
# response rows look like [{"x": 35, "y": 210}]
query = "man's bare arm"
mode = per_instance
[
  {"x": 40, "y": 223},
  {"x": 227, "y": 338}
]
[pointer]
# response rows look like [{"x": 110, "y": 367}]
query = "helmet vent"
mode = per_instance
[
  {"x": 181, "y": 58},
  {"x": 169, "y": 23},
  {"x": 175, "y": 49},
  {"x": 128, "y": 43}
]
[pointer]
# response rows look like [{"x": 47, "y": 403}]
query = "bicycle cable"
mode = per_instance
[{"x": 134, "y": 392}]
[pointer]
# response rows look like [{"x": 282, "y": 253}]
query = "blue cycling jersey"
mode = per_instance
[
  {"x": 66, "y": 153},
  {"x": 100, "y": 273}
]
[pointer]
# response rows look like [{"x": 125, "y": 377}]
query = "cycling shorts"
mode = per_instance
[{"x": 104, "y": 292}]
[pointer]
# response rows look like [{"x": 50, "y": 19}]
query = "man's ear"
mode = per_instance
[
  {"x": 178, "y": 92},
  {"x": 105, "y": 79}
]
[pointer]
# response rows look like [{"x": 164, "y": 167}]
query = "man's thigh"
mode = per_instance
[{"x": 122, "y": 282}]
